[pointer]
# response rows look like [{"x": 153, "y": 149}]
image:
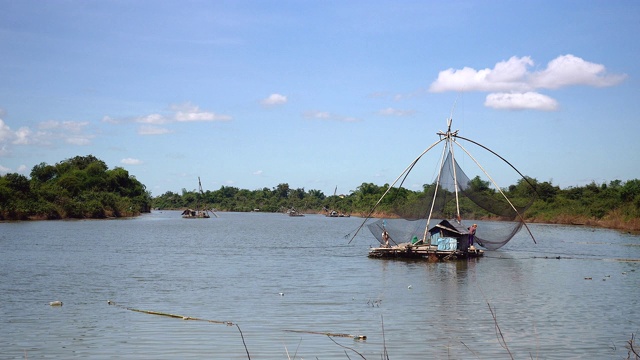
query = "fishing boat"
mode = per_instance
[
  {"x": 200, "y": 212},
  {"x": 293, "y": 212},
  {"x": 335, "y": 213},
  {"x": 436, "y": 230}
]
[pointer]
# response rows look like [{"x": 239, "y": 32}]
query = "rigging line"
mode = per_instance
[
  {"x": 500, "y": 190},
  {"x": 406, "y": 171},
  {"x": 406, "y": 174},
  {"x": 435, "y": 193},
  {"x": 413, "y": 163},
  {"x": 501, "y": 158}
]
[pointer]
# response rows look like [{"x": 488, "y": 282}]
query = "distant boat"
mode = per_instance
[
  {"x": 195, "y": 214},
  {"x": 334, "y": 213},
  {"x": 411, "y": 236},
  {"x": 293, "y": 212},
  {"x": 199, "y": 212}
]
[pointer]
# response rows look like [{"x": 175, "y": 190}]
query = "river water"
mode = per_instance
[{"x": 279, "y": 280}]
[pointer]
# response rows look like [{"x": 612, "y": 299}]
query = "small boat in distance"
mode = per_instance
[
  {"x": 293, "y": 212},
  {"x": 195, "y": 214},
  {"x": 334, "y": 213},
  {"x": 411, "y": 236},
  {"x": 200, "y": 212}
]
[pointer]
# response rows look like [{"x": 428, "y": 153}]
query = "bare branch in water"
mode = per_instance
[
  {"x": 468, "y": 348},
  {"x": 243, "y": 343},
  {"x": 384, "y": 340},
  {"x": 346, "y": 347},
  {"x": 499, "y": 334},
  {"x": 632, "y": 349}
]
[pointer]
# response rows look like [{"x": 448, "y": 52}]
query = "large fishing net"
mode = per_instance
[{"x": 474, "y": 199}]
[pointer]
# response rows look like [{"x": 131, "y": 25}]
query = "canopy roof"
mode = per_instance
[{"x": 449, "y": 229}]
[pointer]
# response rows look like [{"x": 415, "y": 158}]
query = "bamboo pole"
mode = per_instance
[
  {"x": 150, "y": 312},
  {"x": 354, "y": 337}
]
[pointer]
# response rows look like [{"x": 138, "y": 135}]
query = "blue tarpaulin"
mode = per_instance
[{"x": 447, "y": 244}]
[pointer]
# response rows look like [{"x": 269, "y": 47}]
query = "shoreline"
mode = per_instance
[{"x": 611, "y": 222}]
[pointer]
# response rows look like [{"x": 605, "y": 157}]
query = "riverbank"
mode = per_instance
[{"x": 613, "y": 221}]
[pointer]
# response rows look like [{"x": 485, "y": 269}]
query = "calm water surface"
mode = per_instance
[{"x": 576, "y": 294}]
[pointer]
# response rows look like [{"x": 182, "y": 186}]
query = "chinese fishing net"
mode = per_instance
[{"x": 475, "y": 200}]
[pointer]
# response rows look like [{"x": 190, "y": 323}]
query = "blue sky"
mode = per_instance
[{"x": 319, "y": 94}]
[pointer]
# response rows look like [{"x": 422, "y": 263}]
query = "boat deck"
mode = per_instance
[{"x": 431, "y": 252}]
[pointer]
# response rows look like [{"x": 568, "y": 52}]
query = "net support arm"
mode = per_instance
[
  {"x": 406, "y": 171},
  {"x": 501, "y": 192}
]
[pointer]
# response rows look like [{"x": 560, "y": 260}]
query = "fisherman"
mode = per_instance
[
  {"x": 385, "y": 237},
  {"x": 472, "y": 234}
]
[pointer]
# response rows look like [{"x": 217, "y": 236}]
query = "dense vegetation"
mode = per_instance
[
  {"x": 84, "y": 187},
  {"x": 80, "y": 187},
  {"x": 613, "y": 205}
]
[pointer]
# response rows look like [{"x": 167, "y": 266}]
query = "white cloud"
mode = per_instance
[
  {"x": 81, "y": 140},
  {"x": 258, "y": 172},
  {"x": 4, "y": 170},
  {"x": 317, "y": 115},
  {"x": 5, "y": 132},
  {"x": 72, "y": 126},
  {"x": 395, "y": 112},
  {"x": 188, "y": 112},
  {"x": 70, "y": 132},
  {"x": 185, "y": 112},
  {"x": 324, "y": 115},
  {"x": 274, "y": 99},
  {"x": 151, "y": 119},
  {"x": 152, "y": 130},
  {"x": 130, "y": 161},
  {"x": 22, "y": 168},
  {"x": 521, "y": 101},
  {"x": 514, "y": 83},
  {"x": 570, "y": 70},
  {"x": 505, "y": 76},
  {"x": 110, "y": 120}
]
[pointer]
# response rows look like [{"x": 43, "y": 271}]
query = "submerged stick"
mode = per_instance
[
  {"x": 346, "y": 347},
  {"x": 355, "y": 337},
  {"x": 228, "y": 323}
]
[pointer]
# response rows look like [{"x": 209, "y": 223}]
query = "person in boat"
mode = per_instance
[
  {"x": 472, "y": 234},
  {"x": 385, "y": 238}
]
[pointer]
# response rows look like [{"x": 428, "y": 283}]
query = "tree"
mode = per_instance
[
  {"x": 282, "y": 191},
  {"x": 43, "y": 172},
  {"x": 18, "y": 183},
  {"x": 478, "y": 185},
  {"x": 79, "y": 187}
]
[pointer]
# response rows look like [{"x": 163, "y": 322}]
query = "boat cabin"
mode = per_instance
[{"x": 449, "y": 236}]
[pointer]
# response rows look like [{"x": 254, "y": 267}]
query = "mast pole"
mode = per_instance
[
  {"x": 198, "y": 198},
  {"x": 450, "y": 142}
]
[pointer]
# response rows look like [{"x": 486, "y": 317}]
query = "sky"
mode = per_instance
[{"x": 322, "y": 95}]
